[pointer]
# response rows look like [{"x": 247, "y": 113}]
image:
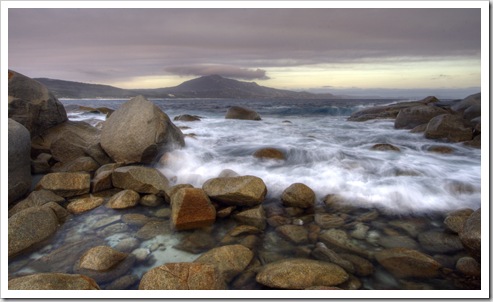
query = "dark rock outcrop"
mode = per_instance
[
  {"x": 411, "y": 117},
  {"x": 19, "y": 161},
  {"x": 33, "y": 105},
  {"x": 241, "y": 113},
  {"x": 449, "y": 127}
]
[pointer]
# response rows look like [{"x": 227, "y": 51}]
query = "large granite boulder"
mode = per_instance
[
  {"x": 183, "y": 275},
  {"x": 242, "y": 190},
  {"x": 300, "y": 274},
  {"x": 33, "y": 105},
  {"x": 230, "y": 260},
  {"x": 450, "y": 127},
  {"x": 298, "y": 195},
  {"x": 19, "y": 164},
  {"x": 470, "y": 235},
  {"x": 53, "y": 281},
  {"x": 35, "y": 199},
  {"x": 404, "y": 263},
  {"x": 191, "y": 209},
  {"x": 30, "y": 227},
  {"x": 67, "y": 141},
  {"x": 472, "y": 100},
  {"x": 241, "y": 113},
  {"x": 139, "y": 131},
  {"x": 140, "y": 179},
  {"x": 411, "y": 117}
]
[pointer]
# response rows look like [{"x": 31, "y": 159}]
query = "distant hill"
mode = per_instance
[{"x": 213, "y": 86}]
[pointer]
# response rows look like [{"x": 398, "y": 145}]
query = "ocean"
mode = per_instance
[{"x": 324, "y": 151}]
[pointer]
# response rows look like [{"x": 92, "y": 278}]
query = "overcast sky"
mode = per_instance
[{"x": 315, "y": 49}]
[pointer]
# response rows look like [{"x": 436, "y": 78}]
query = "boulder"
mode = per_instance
[
  {"x": 456, "y": 220},
  {"x": 153, "y": 229},
  {"x": 389, "y": 111},
  {"x": 30, "y": 227},
  {"x": 53, "y": 281},
  {"x": 139, "y": 131},
  {"x": 140, "y": 179},
  {"x": 298, "y": 195},
  {"x": 183, "y": 275},
  {"x": 124, "y": 199},
  {"x": 33, "y": 105},
  {"x": 19, "y": 162},
  {"x": 470, "y": 236},
  {"x": 411, "y": 117},
  {"x": 66, "y": 184},
  {"x": 385, "y": 147},
  {"x": 84, "y": 204},
  {"x": 36, "y": 199},
  {"x": 101, "y": 258},
  {"x": 294, "y": 233},
  {"x": 66, "y": 141},
  {"x": 322, "y": 252},
  {"x": 42, "y": 163},
  {"x": 461, "y": 106},
  {"x": 103, "y": 276},
  {"x": 472, "y": 112},
  {"x": 449, "y": 127},
  {"x": 241, "y": 190},
  {"x": 269, "y": 153},
  {"x": 230, "y": 260},
  {"x": 151, "y": 200},
  {"x": 300, "y": 274},
  {"x": 327, "y": 221},
  {"x": 468, "y": 266},
  {"x": 437, "y": 241},
  {"x": 187, "y": 118},
  {"x": 405, "y": 263},
  {"x": 362, "y": 267},
  {"x": 254, "y": 217},
  {"x": 197, "y": 242},
  {"x": 81, "y": 164},
  {"x": 191, "y": 209},
  {"x": 241, "y": 113}
]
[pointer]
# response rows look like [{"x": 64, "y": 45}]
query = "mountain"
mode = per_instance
[{"x": 213, "y": 86}]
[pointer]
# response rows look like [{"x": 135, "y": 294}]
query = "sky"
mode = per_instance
[{"x": 365, "y": 51}]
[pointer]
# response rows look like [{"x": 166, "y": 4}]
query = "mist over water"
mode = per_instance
[{"x": 324, "y": 151}]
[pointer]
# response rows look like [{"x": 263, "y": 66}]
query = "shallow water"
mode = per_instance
[{"x": 324, "y": 151}]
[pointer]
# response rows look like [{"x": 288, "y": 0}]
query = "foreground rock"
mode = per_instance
[
  {"x": 191, "y": 209},
  {"x": 241, "y": 190},
  {"x": 140, "y": 179},
  {"x": 139, "y": 131},
  {"x": 30, "y": 227},
  {"x": 470, "y": 235},
  {"x": 301, "y": 274},
  {"x": 298, "y": 195},
  {"x": 36, "y": 199},
  {"x": 53, "y": 281},
  {"x": 241, "y": 113},
  {"x": 101, "y": 258},
  {"x": 181, "y": 276},
  {"x": 404, "y": 263},
  {"x": 19, "y": 163},
  {"x": 230, "y": 260},
  {"x": 66, "y": 184},
  {"x": 33, "y": 105},
  {"x": 449, "y": 127}
]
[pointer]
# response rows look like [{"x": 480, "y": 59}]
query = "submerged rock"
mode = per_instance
[
  {"x": 230, "y": 260},
  {"x": 470, "y": 235},
  {"x": 53, "y": 281},
  {"x": 241, "y": 113},
  {"x": 404, "y": 263},
  {"x": 300, "y": 274},
  {"x": 19, "y": 160},
  {"x": 183, "y": 276},
  {"x": 440, "y": 242},
  {"x": 101, "y": 258},
  {"x": 385, "y": 147},
  {"x": 139, "y": 131},
  {"x": 269, "y": 153},
  {"x": 254, "y": 217},
  {"x": 187, "y": 118}
]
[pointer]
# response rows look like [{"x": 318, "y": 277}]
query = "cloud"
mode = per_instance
[{"x": 222, "y": 70}]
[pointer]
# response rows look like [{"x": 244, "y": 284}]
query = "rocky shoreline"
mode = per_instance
[{"x": 100, "y": 207}]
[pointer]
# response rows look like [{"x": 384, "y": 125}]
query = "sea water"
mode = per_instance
[{"x": 324, "y": 151}]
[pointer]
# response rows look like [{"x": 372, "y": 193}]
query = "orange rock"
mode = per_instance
[{"x": 191, "y": 209}]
